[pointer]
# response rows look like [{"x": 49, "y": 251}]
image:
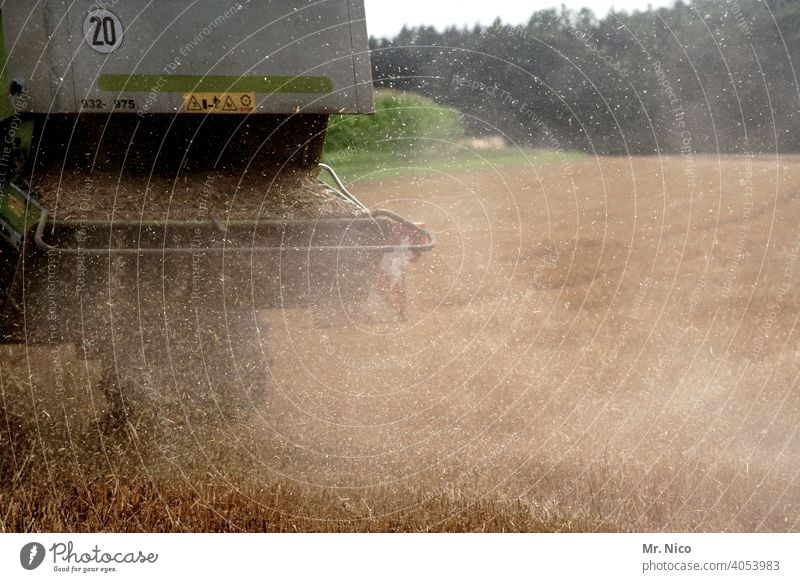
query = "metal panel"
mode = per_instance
[
  {"x": 37, "y": 47},
  {"x": 361, "y": 58},
  {"x": 201, "y": 56}
]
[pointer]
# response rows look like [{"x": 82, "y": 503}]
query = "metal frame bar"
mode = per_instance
[
  {"x": 343, "y": 191},
  {"x": 43, "y": 245}
]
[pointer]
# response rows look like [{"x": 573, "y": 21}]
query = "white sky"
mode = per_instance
[{"x": 385, "y": 18}]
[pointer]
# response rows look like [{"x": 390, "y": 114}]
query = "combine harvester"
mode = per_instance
[{"x": 160, "y": 189}]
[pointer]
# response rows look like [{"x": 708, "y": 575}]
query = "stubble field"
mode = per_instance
[{"x": 594, "y": 345}]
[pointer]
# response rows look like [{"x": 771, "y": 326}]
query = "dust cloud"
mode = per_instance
[{"x": 587, "y": 347}]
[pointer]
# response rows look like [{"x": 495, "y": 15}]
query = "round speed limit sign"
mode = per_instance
[{"x": 103, "y": 31}]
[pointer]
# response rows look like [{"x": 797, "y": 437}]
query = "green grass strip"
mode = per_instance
[{"x": 377, "y": 164}]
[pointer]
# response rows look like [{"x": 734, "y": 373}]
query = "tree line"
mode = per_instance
[{"x": 709, "y": 76}]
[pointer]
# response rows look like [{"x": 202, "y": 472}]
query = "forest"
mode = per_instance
[{"x": 705, "y": 76}]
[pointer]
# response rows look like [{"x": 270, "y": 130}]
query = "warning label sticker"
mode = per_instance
[{"x": 219, "y": 102}]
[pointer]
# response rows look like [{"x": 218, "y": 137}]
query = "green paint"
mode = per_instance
[
  {"x": 25, "y": 133},
  {"x": 213, "y": 84},
  {"x": 17, "y": 211},
  {"x": 6, "y": 106}
]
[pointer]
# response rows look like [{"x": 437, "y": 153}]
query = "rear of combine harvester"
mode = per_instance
[{"x": 159, "y": 187}]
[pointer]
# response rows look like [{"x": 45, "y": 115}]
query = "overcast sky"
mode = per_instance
[{"x": 385, "y": 18}]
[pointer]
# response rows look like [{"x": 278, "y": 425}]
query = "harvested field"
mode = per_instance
[{"x": 607, "y": 345}]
